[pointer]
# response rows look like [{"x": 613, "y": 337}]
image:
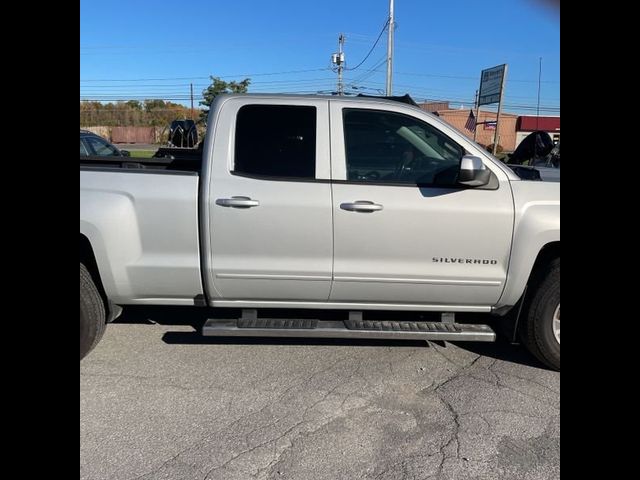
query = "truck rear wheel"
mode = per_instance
[
  {"x": 541, "y": 329},
  {"x": 92, "y": 313}
]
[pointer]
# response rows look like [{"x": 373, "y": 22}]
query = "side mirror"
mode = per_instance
[
  {"x": 473, "y": 172},
  {"x": 125, "y": 153}
]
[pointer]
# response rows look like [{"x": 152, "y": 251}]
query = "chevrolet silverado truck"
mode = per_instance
[{"x": 356, "y": 205}]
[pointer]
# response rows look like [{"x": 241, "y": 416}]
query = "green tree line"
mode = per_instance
[
  {"x": 154, "y": 113},
  {"x": 132, "y": 113}
]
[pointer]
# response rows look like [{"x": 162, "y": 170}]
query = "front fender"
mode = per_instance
[{"x": 537, "y": 224}]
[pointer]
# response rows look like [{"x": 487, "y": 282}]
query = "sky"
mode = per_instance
[{"x": 139, "y": 49}]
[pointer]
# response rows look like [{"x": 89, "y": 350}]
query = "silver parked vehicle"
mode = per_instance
[{"x": 319, "y": 202}]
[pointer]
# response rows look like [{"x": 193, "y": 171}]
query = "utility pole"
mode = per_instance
[
  {"x": 338, "y": 60},
  {"x": 192, "y": 118},
  {"x": 475, "y": 127},
  {"x": 341, "y": 64},
  {"x": 390, "y": 49},
  {"x": 538, "y": 106},
  {"x": 496, "y": 139}
]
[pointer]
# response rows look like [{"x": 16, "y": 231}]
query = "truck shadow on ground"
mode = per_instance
[{"x": 195, "y": 317}]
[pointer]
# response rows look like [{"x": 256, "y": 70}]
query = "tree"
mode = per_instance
[
  {"x": 154, "y": 104},
  {"x": 218, "y": 87},
  {"x": 150, "y": 112},
  {"x": 134, "y": 105}
]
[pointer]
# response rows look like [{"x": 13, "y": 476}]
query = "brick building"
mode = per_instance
[
  {"x": 513, "y": 128},
  {"x": 458, "y": 119},
  {"x": 529, "y": 123}
]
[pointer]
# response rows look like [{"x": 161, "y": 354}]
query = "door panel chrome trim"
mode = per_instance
[
  {"x": 250, "y": 276},
  {"x": 431, "y": 281}
]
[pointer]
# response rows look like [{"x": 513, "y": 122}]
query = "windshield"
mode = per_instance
[{"x": 101, "y": 147}]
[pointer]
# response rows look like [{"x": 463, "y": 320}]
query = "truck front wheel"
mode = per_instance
[
  {"x": 541, "y": 328},
  {"x": 92, "y": 313}
]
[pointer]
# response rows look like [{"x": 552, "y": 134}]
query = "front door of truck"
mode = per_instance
[
  {"x": 404, "y": 231},
  {"x": 270, "y": 218}
]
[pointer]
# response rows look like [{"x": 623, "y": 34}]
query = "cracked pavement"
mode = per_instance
[{"x": 157, "y": 401}]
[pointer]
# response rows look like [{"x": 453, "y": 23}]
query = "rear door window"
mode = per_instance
[{"x": 276, "y": 141}]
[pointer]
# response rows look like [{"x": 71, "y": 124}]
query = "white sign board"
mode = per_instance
[{"x": 491, "y": 81}]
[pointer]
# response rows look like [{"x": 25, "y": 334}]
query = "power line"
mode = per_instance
[
  {"x": 356, "y": 83},
  {"x": 301, "y": 80},
  {"x": 200, "y": 78},
  {"x": 461, "y": 77},
  {"x": 360, "y": 38},
  {"x": 426, "y": 91},
  {"x": 417, "y": 93},
  {"x": 434, "y": 75},
  {"x": 372, "y": 71},
  {"x": 374, "y": 46},
  {"x": 140, "y": 91}
]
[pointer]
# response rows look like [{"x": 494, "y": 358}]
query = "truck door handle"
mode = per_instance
[
  {"x": 237, "y": 202},
  {"x": 361, "y": 206}
]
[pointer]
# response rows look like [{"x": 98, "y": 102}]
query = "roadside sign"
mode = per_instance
[
  {"x": 491, "y": 82},
  {"x": 491, "y": 91}
]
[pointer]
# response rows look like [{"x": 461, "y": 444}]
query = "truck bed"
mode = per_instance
[
  {"x": 154, "y": 164},
  {"x": 144, "y": 233}
]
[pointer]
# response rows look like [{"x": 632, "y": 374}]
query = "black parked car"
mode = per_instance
[
  {"x": 538, "y": 152},
  {"x": 92, "y": 145}
]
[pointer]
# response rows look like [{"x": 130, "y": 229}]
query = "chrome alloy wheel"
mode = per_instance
[{"x": 556, "y": 323}]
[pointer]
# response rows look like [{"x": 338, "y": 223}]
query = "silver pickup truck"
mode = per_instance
[{"x": 316, "y": 202}]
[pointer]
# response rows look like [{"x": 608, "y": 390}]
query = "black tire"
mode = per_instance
[
  {"x": 92, "y": 313},
  {"x": 537, "y": 332}
]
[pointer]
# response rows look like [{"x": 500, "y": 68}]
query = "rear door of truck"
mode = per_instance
[{"x": 269, "y": 215}]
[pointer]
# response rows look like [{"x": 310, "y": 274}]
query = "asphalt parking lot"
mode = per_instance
[{"x": 158, "y": 401}]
